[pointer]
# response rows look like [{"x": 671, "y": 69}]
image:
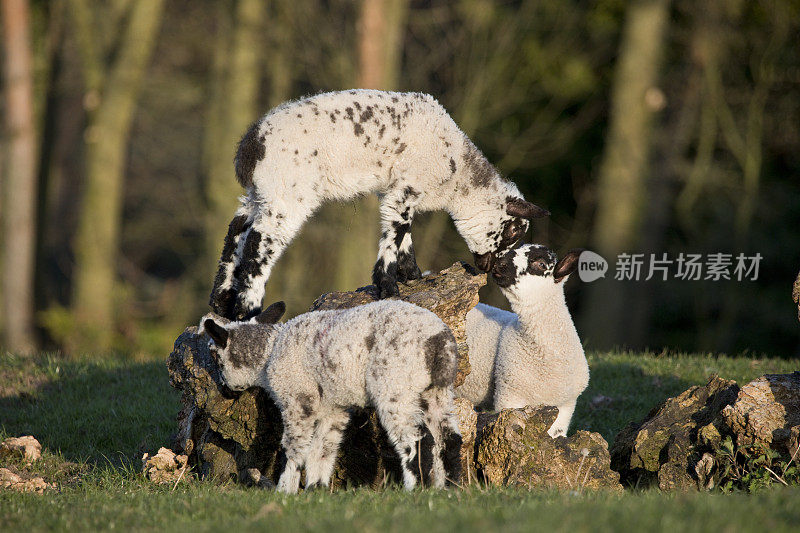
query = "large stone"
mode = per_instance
[
  {"x": 513, "y": 448},
  {"x": 675, "y": 446},
  {"x": 228, "y": 435},
  {"x": 663, "y": 448},
  {"x": 765, "y": 411}
]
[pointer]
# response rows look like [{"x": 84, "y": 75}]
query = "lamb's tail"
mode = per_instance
[{"x": 442, "y": 425}]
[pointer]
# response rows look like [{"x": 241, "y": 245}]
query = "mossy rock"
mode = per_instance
[{"x": 513, "y": 448}]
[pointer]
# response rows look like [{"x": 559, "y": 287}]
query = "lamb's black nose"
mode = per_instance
[{"x": 484, "y": 262}]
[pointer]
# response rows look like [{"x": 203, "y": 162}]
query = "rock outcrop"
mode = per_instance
[
  {"x": 766, "y": 411},
  {"x": 675, "y": 446},
  {"x": 512, "y": 447}
]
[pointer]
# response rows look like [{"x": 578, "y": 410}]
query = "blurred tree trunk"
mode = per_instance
[
  {"x": 621, "y": 193},
  {"x": 380, "y": 41},
  {"x": 20, "y": 180},
  {"x": 111, "y": 93},
  {"x": 234, "y": 104}
]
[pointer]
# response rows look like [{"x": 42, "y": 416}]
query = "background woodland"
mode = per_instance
[{"x": 651, "y": 126}]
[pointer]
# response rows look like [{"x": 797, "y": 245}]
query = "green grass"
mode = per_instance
[{"x": 95, "y": 419}]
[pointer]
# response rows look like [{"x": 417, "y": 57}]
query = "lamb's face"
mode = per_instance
[
  {"x": 532, "y": 269},
  {"x": 521, "y": 265},
  {"x": 241, "y": 349},
  {"x": 504, "y": 232}
]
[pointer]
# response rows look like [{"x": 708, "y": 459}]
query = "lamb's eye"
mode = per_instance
[{"x": 541, "y": 265}]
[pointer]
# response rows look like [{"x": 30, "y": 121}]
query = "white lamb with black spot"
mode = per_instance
[
  {"x": 534, "y": 355},
  {"x": 404, "y": 147},
  {"x": 394, "y": 356}
]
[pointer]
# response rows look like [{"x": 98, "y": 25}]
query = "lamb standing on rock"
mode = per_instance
[
  {"x": 339, "y": 145},
  {"x": 394, "y": 356},
  {"x": 533, "y": 356}
]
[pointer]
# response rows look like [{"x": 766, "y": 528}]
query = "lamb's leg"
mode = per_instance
[
  {"x": 437, "y": 407},
  {"x": 271, "y": 232},
  {"x": 299, "y": 415},
  {"x": 407, "y": 268},
  {"x": 399, "y": 415},
  {"x": 561, "y": 424},
  {"x": 506, "y": 398},
  {"x": 223, "y": 295},
  {"x": 322, "y": 456},
  {"x": 396, "y": 261}
]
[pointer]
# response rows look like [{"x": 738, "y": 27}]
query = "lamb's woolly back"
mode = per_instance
[{"x": 533, "y": 356}]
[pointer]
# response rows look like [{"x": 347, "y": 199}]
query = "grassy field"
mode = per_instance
[{"x": 95, "y": 419}]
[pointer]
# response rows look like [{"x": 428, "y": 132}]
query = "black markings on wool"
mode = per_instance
[
  {"x": 483, "y": 174},
  {"x": 246, "y": 345},
  {"x": 306, "y": 404},
  {"x": 250, "y": 151},
  {"x": 439, "y": 357},
  {"x": 369, "y": 341},
  {"x": 451, "y": 454},
  {"x": 221, "y": 301}
]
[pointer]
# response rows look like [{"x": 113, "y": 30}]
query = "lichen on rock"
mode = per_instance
[{"x": 658, "y": 450}]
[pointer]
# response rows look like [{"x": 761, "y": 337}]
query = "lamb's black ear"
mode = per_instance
[
  {"x": 567, "y": 265},
  {"x": 517, "y": 207},
  {"x": 217, "y": 333},
  {"x": 272, "y": 314}
]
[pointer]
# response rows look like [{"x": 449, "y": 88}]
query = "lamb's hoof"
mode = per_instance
[
  {"x": 222, "y": 302},
  {"x": 407, "y": 268},
  {"x": 408, "y": 272},
  {"x": 387, "y": 289},
  {"x": 243, "y": 314}
]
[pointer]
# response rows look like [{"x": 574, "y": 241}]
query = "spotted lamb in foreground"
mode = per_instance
[
  {"x": 534, "y": 355},
  {"x": 391, "y": 355},
  {"x": 404, "y": 147}
]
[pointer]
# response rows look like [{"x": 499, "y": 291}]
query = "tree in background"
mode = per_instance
[
  {"x": 19, "y": 184},
  {"x": 381, "y": 27},
  {"x": 111, "y": 90},
  {"x": 233, "y": 104},
  {"x": 621, "y": 184}
]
